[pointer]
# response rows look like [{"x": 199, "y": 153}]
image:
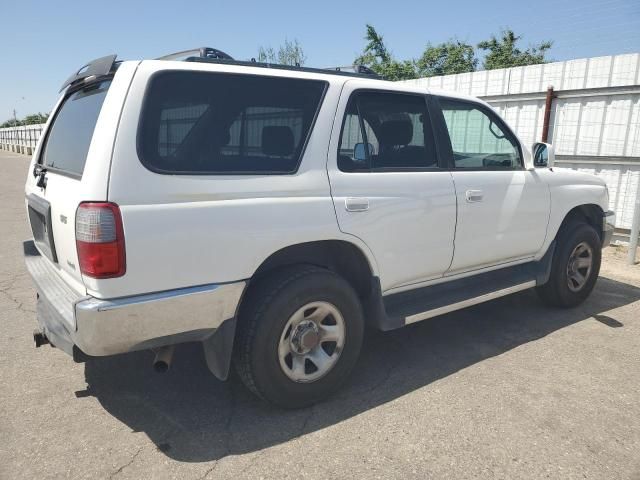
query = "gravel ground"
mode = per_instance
[{"x": 508, "y": 389}]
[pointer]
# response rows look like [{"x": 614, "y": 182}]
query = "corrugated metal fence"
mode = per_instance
[{"x": 595, "y": 114}]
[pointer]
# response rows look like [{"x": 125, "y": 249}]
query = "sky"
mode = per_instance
[{"x": 43, "y": 42}]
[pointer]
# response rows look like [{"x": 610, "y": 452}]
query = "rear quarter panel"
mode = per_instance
[{"x": 183, "y": 230}]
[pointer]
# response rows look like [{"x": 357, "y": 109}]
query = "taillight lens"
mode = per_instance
[{"x": 100, "y": 240}]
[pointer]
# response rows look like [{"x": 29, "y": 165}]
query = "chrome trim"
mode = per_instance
[
  {"x": 356, "y": 204},
  {"x": 473, "y": 196},
  {"x": 123, "y": 302},
  {"x": 457, "y": 275},
  {"x": 469, "y": 302},
  {"x": 106, "y": 327}
]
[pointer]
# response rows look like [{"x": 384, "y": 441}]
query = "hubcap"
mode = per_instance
[
  {"x": 311, "y": 342},
  {"x": 579, "y": 267}
]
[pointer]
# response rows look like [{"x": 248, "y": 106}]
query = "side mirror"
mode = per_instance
[
  {"x": 359, "y": 152},
  {"x": 543, "y": 155}
]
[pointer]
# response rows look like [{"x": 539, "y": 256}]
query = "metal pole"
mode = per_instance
[
  {"x": 635, "y": 227},
  {"x": 547, "y": 114}
]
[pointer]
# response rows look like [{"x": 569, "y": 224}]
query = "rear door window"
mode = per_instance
[
  {"x": 210, "y": 123},
  {"x": 67, "y": 142},
  {"x": 385, "y": 131}
]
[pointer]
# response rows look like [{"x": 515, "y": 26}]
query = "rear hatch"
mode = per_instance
[{"x": 71, "y": 165}]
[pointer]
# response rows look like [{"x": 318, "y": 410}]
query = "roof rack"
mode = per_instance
[
  {"x": 361, "y": 69},
  {"x": 202, "y": 52},
  {"x": 277, "y": 66},
  {"x": 213, "y": 55}
]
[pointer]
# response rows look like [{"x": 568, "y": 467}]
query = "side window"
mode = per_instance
[
  {"x": 385, "y": 132},
  {"x": 217, "y": 123},
  {"x": 352, "y": 156},
  {"x": 477, "y": 137}
]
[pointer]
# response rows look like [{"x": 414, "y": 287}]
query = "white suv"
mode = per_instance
[{"x": 272, "y": 213}]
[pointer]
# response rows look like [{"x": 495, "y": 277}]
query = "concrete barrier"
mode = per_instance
[
  {"x": 22, "y": 139},
  {"x": 21, "y": 149}
]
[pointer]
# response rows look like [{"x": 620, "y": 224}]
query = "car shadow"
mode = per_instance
[{"x": 193, "y": 417}]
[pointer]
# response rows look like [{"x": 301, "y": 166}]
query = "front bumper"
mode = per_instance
[
  {"x": 608, "y": 226},
  {"x": 106, "y": 327}
]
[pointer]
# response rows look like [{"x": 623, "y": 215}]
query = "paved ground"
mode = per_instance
[{"x": 508, "y": 389}]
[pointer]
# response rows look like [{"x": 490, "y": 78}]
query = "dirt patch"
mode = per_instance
[{"x": 614, "y": 264}]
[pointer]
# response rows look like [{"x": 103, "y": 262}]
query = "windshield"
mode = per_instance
[{"x": 68, "y": 139}]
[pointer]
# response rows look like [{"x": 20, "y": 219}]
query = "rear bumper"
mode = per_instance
[
  {"x": 608, "y": 226},
  {"x": 107, "y": 327}
]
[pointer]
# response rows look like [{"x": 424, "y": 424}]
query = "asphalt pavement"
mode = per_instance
[{"x": 508, "y": 389}]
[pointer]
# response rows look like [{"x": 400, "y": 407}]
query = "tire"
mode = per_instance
[
  {"x": 563, "y": 290},
  {"x": 279, "y": 315}
]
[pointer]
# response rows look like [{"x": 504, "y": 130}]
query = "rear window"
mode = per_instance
[
  {"x": 69, "y": 137},
  {"x": 207, "y": 123}
]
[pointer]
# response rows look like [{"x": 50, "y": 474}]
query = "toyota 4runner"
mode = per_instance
[{"x": 272, "y": 213}]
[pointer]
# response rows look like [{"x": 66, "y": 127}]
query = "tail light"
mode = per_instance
[{"x": 100, "y": 240}]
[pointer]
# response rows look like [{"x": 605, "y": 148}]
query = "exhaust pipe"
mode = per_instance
[
  {"x": 164, "y": 355},
  {"x": 40, "y": 338}
]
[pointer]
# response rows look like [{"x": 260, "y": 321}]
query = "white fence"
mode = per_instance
[
  {"x": 595, "y": 115},
  {"x": 22, "y": 139}
]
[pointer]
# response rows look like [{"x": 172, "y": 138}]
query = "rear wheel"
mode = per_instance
[
  {"x": 575, "y": 266},
  {"x": 300, "y": 333}
]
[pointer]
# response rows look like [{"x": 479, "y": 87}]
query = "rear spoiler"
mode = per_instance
[{"x": 95, "y": 68}]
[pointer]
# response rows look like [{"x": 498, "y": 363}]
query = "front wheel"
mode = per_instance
[
  {"x": 575, "y": 266},
  {"x": 300, "y": 333}
]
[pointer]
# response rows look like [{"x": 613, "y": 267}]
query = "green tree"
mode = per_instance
[
  {"x": 35, "y": 118},
  {"x": 399, "y": 70},
  {"x": 375, "y": 53},
  {"x": 503, "y": 52},
  {"x": 267, "y": 55},
  {"x": 446, "y": 59},
  {"x": 289, "y": 53},
  {"x": 32, "y": 119},
  {"x": 378, "y": 58}
]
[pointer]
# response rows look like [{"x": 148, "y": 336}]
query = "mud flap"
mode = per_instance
[
  {"x": 218, "y": 349},
  {"x": 544, "y": 265}
]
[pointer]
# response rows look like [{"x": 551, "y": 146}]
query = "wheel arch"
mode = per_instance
[
  {"x": 340, "y": 256},
  {"x": 589, "y": 210},
  {"x": 348, "y": 259},
  {"x": 590, "y": 213}
]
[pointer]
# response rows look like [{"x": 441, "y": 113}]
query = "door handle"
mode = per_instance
[
  {"x": 474, "y": 195},
  {"x": 356, "y": 204}
]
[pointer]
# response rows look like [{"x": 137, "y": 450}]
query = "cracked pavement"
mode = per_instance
[{"x": 507, "y": 389}]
